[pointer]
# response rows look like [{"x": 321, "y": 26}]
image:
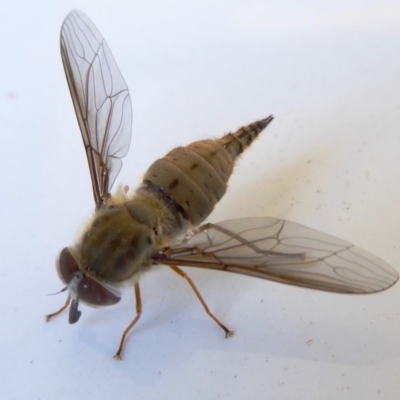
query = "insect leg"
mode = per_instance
[
  {"x": 50, "y": 316},
  {"x": 138, "y": 299},
  {"x": 184, "y": 275}
]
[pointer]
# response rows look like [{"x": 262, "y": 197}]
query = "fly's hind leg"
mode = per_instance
[
  {"x": 184, "y": 275},
  {"x": 138, "y": 300},
  {"x": 65, "y": 306}
]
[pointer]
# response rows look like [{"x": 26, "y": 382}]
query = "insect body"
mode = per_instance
[{"x": 130, "y": 234}]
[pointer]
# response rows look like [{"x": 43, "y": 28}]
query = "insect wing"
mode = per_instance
[
  {"x": 282, "y": 251},
  {"x": 101, "y": 100}
]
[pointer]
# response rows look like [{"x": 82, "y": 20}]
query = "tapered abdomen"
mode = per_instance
[{"x": 192, "y": 179}]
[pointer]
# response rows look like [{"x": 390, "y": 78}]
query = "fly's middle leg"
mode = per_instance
[{"x": 185, "y": 276}]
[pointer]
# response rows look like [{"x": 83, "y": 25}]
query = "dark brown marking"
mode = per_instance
[
  {"x": 173, "y": 184},
  {"x": 169, "y": 201},
  {"x": 194, "y": 166}
]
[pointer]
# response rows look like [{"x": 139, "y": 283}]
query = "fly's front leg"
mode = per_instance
[
  {"x": 138, "y": 299},
  {"x": 184, "y": 275},
  {"x": 65, "y": 306}
]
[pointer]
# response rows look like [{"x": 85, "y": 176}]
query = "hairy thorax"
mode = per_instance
[{"x": 115, "y": 245}]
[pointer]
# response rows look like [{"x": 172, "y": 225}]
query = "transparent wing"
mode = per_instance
[
  {"x": 101, "y": 100},
  {"x": 281, "y": 251}
]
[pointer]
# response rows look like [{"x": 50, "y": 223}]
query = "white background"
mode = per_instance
[{"x": 330, "y": 73}]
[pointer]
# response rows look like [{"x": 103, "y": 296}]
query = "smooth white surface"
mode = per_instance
[{"x": 330, "y": 73}]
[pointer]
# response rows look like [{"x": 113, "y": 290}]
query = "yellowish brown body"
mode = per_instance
[
  {"x": 178, "y": 192},
  {"x": 129, "y": 234}
]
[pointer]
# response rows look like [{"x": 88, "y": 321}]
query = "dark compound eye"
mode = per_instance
[
  {"x": 67, "y": 267},
  {"x": 88, "y": 289},
  {"x": 92, "y": 292}
]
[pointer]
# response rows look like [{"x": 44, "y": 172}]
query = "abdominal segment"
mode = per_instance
[{"x": 194, "y": 178}]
